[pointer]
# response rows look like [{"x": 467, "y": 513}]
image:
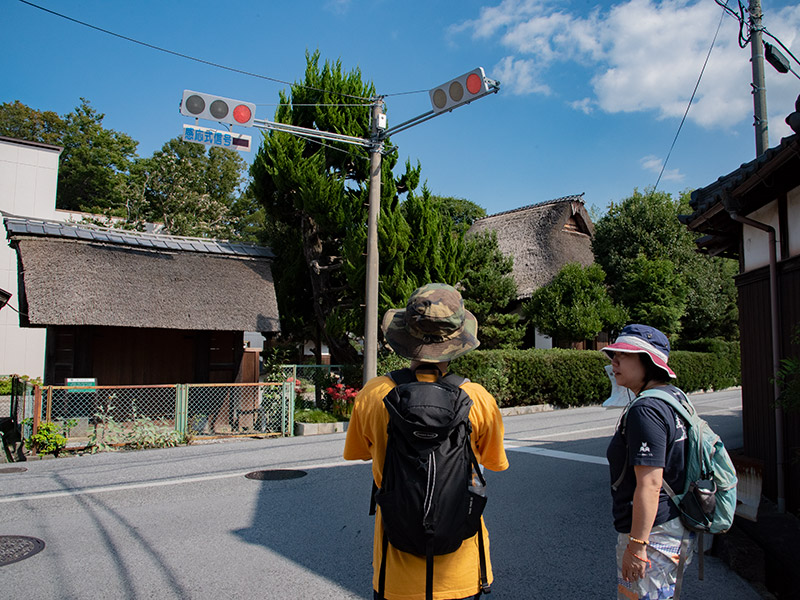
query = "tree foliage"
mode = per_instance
[
  {"x": 655, "y": 272},
  {"x": 317, "y": 194},
  {"x": 21, "y": 122},
  {"x": 190, "y": 190},
  {"x": 95, "y": 161},
  {"x": 488, "y": 290},
  {"x": 575, "y": 305}
]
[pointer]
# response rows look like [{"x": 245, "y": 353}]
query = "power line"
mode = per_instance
[
  {"x": 688, "y": 106},
  {"x": 186, "y": 56}
]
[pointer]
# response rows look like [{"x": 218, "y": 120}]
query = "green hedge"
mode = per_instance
[{"x": 576, "y": 377}]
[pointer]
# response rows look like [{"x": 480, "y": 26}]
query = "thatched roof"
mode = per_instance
[
  {"x": 542, "y": 238},
  {"x": 74, "y": 274}
]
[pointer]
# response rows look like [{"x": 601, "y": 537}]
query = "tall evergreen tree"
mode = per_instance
[
  {"x": 489, "y": 289},
  {"x": 316, "y": 195}
]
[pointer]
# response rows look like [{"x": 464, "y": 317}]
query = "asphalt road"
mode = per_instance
[{"x": 186, "y": 522}]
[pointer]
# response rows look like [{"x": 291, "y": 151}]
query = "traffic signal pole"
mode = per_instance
[
  {"x": 455, "y": 93},
  {"x": 370, "y": 367}
]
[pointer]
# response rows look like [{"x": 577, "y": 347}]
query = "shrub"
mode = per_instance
[
  {"x": 46, "y": 440},
  {"x": 577, "y": 377},
  {"x": 313, "y": 415}
]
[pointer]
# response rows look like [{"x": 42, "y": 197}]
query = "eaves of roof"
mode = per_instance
[{"x": 20, "y": 226}]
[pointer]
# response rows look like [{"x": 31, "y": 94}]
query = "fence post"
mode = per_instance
[
  {"x": 37, "y": 408},
  {"x": 181, "y": 407}
]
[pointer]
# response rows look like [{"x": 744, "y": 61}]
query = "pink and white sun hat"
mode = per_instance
[{"x": 643, "y": 339}]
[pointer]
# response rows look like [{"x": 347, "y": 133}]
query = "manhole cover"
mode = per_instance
[
  {"x": 13, "y": 469},
  {"x": 14, "y": 548},
  {"x": 276, "y": 475}
]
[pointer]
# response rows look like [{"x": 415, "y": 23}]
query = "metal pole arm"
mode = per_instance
[{"x": 314, "y": 133}]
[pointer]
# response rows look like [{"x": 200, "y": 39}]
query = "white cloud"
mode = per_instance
[
  {"x": 520, "y": 76},
  {"x": 586, "y": 105},
  {"x": 644, "y": 55},
  {"x": 654, "y": 165}
]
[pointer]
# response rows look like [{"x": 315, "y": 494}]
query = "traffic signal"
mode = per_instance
[
  {"x": 461, "y": 90},
  {"x": 217, "y": 108}
]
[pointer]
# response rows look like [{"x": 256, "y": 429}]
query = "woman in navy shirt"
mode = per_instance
[{"x": 647, "y": 450}]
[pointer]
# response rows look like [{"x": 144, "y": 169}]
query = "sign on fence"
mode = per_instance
[{"x": 80, "y": 382}]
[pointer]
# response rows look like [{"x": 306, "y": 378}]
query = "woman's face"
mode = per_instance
[{"x": 628, "y": 370}]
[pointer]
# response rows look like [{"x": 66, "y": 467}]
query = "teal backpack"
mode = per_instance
[{"x": 708, "y": 500}]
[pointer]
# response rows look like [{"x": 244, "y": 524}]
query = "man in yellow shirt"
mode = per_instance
[{"x": 432, "y": 330}]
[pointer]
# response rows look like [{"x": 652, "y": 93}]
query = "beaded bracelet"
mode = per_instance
[{"x": 634, "y": 540}]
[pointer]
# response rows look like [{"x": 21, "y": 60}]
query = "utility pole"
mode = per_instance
[
  {"x": 759, "y": 87},
  {"x": 450, "y": 95},
  {"x": 371, "y": 290}
]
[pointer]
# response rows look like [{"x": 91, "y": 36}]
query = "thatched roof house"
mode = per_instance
[
  {"x": 542, "y": 238},
  {"x": 75, "y": 274},
  {"x": 154, "y": 290}
]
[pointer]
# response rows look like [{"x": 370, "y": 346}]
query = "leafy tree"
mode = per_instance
[
  {"x": 646, "y": 225},
  {"x": 191, "y": 191},
  {"x": 654, "y": 292},
  {"x": 459, "y": 211},
  {"x": 575, "y": 305},
  {"x": 489, "y": 289},
  {"x": 19, "y": 121},
  {"x": 94, "y": 163}
]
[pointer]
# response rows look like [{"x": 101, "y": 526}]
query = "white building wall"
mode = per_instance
[
  {"x": 28, "y": 179},
  {"x": 793, "y": 218},
  {"x": 756, "y": 246}
]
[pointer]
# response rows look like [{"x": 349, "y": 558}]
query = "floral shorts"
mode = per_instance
[{"x": 663, "y": 552}]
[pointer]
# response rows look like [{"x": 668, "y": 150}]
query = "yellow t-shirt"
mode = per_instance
[{"x": 456, "y": 575}]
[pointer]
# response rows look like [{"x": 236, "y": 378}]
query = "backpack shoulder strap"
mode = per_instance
[{"x": 687, "y": 410}]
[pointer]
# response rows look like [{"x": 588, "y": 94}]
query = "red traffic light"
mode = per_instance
[
  {"x": 461, "y": 90},
  {"x": 217, "y": 108}
]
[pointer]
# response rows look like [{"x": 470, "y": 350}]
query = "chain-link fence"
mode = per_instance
[
  {"x": 87, "y": 413},
  {"x": 91, "y": 414}
]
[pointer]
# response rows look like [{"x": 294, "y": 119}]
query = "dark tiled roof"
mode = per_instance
[
  {"x": 20, "y": 226},
  {"x": 706, "y": 197}
]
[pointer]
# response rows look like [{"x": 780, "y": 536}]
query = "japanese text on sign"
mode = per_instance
[{"x": 214, "y": 137}]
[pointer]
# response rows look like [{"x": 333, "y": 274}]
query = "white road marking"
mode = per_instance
[
  {"x": 152, "y": 484},
  {"x": 587, "y": 458}
]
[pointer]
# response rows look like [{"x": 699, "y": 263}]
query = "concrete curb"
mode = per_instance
[{"x": 320, "y": 428}]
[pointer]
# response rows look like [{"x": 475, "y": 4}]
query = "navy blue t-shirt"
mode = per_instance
[{"x": 654, "y": 436}]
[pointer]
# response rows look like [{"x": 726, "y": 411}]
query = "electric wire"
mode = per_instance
[
  {"x": 688, "y": 106},
  {"x": 186, "y": 56}
]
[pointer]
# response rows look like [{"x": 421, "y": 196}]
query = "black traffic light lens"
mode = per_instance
[
  {"x": 439, "y": 98},
  {"x": 195, "y": 104},
  {"x": 218, "y": 109},
  {"x": 456, "y": 91}
]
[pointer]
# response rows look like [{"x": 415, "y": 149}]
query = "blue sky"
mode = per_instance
[{"x": 591, "y": 95}]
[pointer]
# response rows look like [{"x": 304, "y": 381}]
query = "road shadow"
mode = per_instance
[{"x": 321, "y": 523}]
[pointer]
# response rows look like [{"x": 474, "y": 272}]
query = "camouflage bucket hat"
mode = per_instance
[{"x": 433, "y": 327}]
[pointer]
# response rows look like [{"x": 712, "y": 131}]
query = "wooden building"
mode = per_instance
[
  {"x": 753, "y": 214},
  {"x": 129, "y": 308}
]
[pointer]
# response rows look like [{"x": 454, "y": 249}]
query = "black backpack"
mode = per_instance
[{"x": 432, "y": 493}]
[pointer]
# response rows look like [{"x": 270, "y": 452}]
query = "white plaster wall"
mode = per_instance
[
  {"x": 28, "y": 179},
  {"x": 756, "y": 242},
  {"x": 793, "y": 217},
  {"x": 542, "y": 341}
]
